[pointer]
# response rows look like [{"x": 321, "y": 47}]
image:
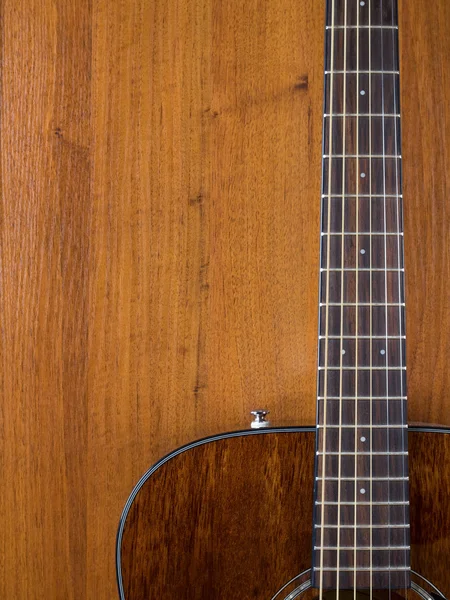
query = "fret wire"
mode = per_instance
[
  {"x": 352, "y": 397},
  {"x": 319, "y": 453},
  {"x": 361, "y": 156},
  {"x": 378, "y": 270},
  {"x": 363, "y": 337},
  {"x": 362, "y": 368},
  {"x": 329, "y": 503},
  {"x": 368, "y": 196},
  {"x": 365, "y": 270},
  {"x": 393, "y": 115},
  {"x": 361, "y": 303},
  {"x": 360, "y": 233},
  {"x": 364, "y": 400},
  {"x": 363, "y": 72},
  {"x": 361, "y": 27},
  {"x": 362, "y": 425},
  {"x": 370, "y": 569},
  {"x": 391, "y": 525},
  {"x": 364, "y": 547},
  {"x": 320, "y": 479}
]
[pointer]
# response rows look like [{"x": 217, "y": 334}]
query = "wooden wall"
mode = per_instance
[{"x": 159, "y": 228}]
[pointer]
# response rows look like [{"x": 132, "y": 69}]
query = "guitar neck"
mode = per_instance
[{"x": 361, "y": 511}]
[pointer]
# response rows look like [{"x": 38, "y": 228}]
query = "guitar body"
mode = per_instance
[{"x": 230, "y": 518}]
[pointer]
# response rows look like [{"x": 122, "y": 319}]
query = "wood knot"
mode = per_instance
[
  {"x": 209, "y": 112},
  {"x": 198, "y": 389},
  {"x": 302, "y": 83},
  {"x": 198, "y": 199}
]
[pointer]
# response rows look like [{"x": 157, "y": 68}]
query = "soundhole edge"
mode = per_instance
[{"x": 302, "y": 584}]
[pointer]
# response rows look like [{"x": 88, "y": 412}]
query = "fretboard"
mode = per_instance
[{"x": 361, "y": 516}]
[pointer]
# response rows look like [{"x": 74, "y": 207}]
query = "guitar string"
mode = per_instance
[
  {"x": 395, "y": 66},
  {"x": 325, "y": 373},
  {"x": 370, "y": 311},
  {"x": 341, "y": 344},
  {"x": 357, "y": 93},
  {"x": 385, "y": 292}
]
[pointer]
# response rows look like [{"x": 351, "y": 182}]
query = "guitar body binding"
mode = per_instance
[{"x": 230, "y": 516}]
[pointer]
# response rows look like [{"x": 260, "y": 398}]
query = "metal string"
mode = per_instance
[
  {"x": 397, "y": 192},
  {"x": 355, "y": 541},
  {"x": 386, "y": 296},
  {"x": 341, "y": 344},
  {"x": 325, "y": 372}
]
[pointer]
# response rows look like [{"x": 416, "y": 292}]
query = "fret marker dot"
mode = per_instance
[
  {"x": 362, "y": 438},
  {"x": 363, "y": 175},
  {"x": 363, "y": 92},
  {"x": 362, "y": 3},
  {"x": 362, "y": 490},
  {"x": 383, "y": 352},
  {"x": 362, "y": 251},
  {"x": 343, "y": 351}
]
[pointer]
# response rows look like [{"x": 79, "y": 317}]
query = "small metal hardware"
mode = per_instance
[{"x": 259, "y": 419}]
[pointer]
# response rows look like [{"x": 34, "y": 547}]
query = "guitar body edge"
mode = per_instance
[{"x": 230, "y": 516}]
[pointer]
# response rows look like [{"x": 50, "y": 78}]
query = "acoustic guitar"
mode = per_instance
[{"x": 358, "y": 506}]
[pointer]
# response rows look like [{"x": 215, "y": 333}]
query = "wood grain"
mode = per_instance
[
  {"x": 425, "y": 81},
  {"x": 238, "y": 520},
  {"x": 45, "y": 190},
  {"x": 160, "y": 182}
]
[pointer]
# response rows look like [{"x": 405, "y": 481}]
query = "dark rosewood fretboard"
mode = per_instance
[{"x": 361, "y": 523}]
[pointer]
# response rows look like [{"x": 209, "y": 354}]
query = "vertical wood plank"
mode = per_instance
[
  {"x": 149, "y": 248},
  {"x": 425, "y": 53},
  {"x": 45, "y": 132}
]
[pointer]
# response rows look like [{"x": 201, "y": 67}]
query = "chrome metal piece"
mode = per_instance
[{"x": 259, "y": 419}]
